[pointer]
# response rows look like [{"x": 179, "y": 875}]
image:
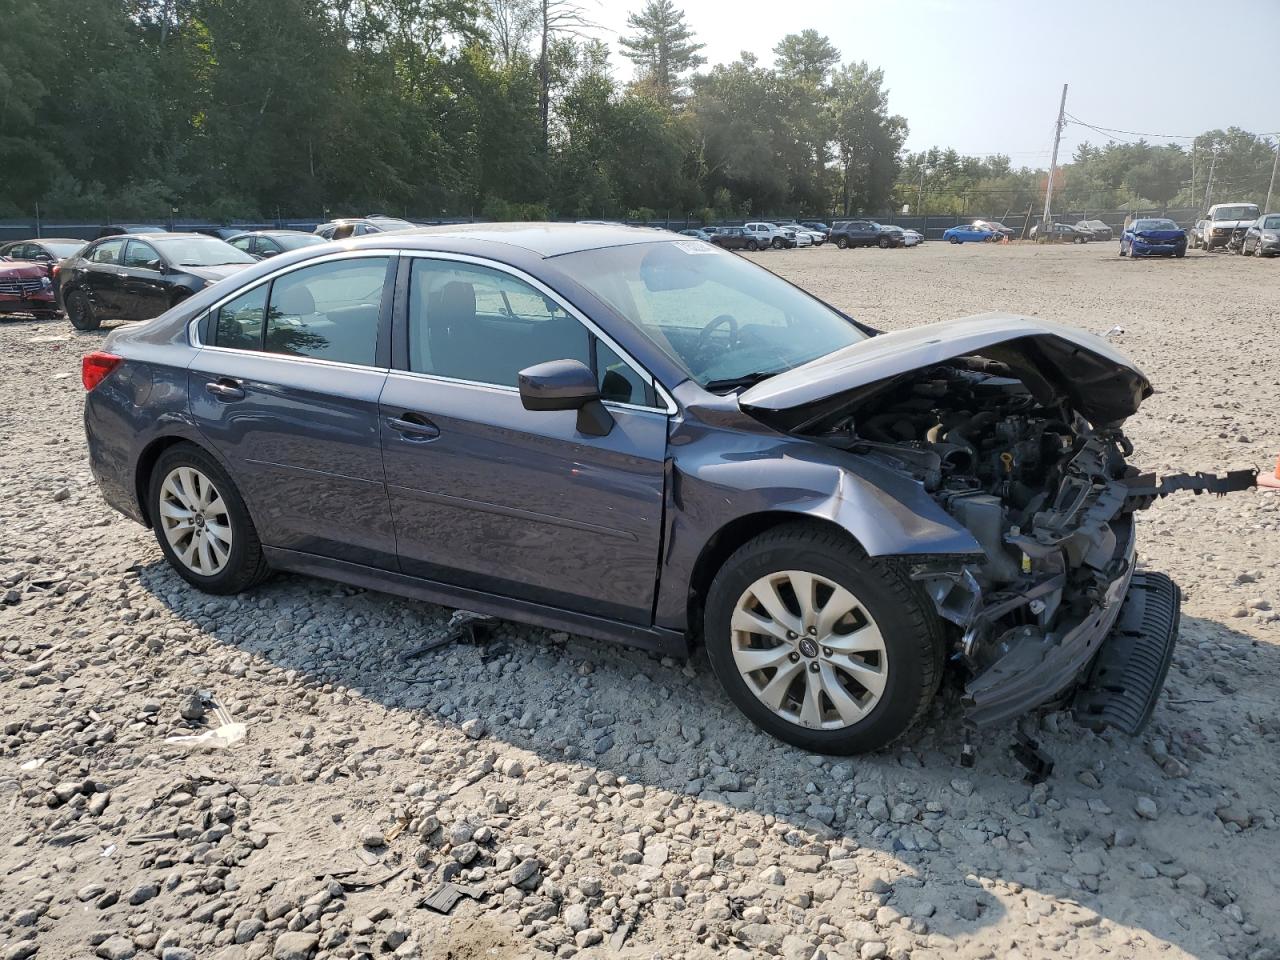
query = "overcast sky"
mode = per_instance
[{"x": 965, "y": 74}]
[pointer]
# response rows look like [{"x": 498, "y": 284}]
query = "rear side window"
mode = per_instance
[
  {"x": 109, "y": 251},
  {"x": 239, "y": 323},
  {"x": 329, "y": 311}
]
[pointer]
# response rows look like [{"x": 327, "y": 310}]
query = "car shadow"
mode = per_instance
[{"x": 960, "y": 849}]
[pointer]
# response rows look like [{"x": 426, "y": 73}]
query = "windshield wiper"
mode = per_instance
[{"x": 745, "y": 380}]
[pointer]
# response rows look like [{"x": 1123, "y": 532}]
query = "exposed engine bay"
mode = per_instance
[{"x": 1047, "y": 495}]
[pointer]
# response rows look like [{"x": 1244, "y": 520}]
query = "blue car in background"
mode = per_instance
[
  {"x": 969, "y": 233},
  {"x": 1153, "y": 237}
]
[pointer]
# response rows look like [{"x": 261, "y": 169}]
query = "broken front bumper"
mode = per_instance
[{"x": 1039, "y": 667}]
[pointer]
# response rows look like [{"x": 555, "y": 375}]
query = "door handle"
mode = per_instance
[
  {"x": 414, "y": 427},
  {"x": 225, "y": 389}
]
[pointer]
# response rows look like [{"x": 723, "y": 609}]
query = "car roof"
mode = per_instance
[{"x": 542, "y": 239}]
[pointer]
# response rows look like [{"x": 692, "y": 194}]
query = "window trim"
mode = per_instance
[{"x": 665, "y": 404}]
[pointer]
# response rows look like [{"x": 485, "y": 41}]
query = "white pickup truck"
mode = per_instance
[{"x": 1227, "y": 222}]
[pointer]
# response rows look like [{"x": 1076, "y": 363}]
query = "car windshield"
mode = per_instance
[
  {"x": 62, "y": 250},
  {"x": 1155, "y": 224},
  {"x": 293, "y": 241},
  {"x": 200, "y": 251},
  {"x": 1271, "y": 223},
  {"x": 1245, "y": 211},
  {"x": 391, "y": 223},
  {"x": 725, "y": 321}
]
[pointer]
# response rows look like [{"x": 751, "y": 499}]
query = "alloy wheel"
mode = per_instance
[
  {"x": 194, "y": 518},
  {"x": 809, "y": 650}
]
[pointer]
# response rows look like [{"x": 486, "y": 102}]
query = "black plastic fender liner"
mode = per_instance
[{"x": 1128, "y": 674}]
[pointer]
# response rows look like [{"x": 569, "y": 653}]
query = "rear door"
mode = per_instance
[
  {"x": 144, "y": 291},
  {"x": 287, "y": 390},
  {"x": 493, "y": 497}
]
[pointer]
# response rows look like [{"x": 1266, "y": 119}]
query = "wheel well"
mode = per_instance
[
  {"x": 147, "y": 463},
  {"x": 722, "y": 545}
]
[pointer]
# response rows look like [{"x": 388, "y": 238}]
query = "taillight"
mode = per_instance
[{"x": 96, "y": 366}]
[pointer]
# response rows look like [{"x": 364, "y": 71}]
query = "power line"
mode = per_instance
[{"x": 1135, "y": 133}]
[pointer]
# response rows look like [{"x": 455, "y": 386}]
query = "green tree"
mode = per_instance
[
  {"x": 806, "y": 56},
  {"x": 663, "y": 49}
]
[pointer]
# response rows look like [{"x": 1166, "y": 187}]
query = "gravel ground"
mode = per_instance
[{"x": 604, "y": 802}]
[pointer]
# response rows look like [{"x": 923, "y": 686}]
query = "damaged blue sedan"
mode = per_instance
[{"x": 643, "y": 438}]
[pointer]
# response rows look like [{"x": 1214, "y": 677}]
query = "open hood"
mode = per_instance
[{"x": 1056, "y": 363}]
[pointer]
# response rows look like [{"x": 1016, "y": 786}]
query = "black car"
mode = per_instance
[
  {"x": 1098, "y": 229},
  {"x": 269, "y": 243},
  {"x": 120, "y": 229},
  {"x": 734, "y": 238},
  {"x": 137, "y": 278},
  {"x": 865, "y": 233},
  {"x": 361, "y": 226},
  {"x": 222, "y": 233},
  {"x": 44, "y": 250}
]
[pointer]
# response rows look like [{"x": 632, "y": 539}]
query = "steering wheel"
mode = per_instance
[{"x": 704, "y": 337}]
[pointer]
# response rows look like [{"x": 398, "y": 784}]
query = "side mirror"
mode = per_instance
[{"x": 566, "y": 385}]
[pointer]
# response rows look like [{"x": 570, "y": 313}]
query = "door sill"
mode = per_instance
[{"x": 670, "y": 643}]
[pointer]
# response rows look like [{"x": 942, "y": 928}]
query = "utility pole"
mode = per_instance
[
  {"x": 1053, "y": 160},
  {"x": 1275, "y": 162},
  {"x": 1208, "y": 187}
]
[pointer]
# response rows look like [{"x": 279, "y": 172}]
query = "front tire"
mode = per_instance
[
  {"x": 820, "y": 645},
  {"x": 202, "y": 524},
  {"x": 955, "y": 239},
  {"x": 842, "y": 243},
  {"x": 778, "y": 243},
  {"x": 80, "y": 311},
  {"x": 752, "y": 246},
  {"x": 883, "y": 243}
]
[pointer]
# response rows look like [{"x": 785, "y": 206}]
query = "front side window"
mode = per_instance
[
  {"x": 109, "y": 251},
  {"x": 242, "y": 243},
  {"x": 329, "y": 311},
  {"x": 469, "y": 322},
  {"x": 141, "y": 256},
  {"x": 721, "y": 318}
]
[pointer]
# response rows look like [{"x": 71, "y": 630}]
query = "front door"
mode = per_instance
[
  {"x": 288, "y": 392},
  {"x": 493, "y": 497},
  {"x": 103, "y": 277},
  {"x": 144, "y": 293}
]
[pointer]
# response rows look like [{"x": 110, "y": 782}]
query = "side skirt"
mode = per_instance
[{"x": 671, "y": 643}]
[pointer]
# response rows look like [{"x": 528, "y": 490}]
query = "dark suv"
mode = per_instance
[
  {"x": 636, "y": 437},
  {"x": 865, "y": 233}
]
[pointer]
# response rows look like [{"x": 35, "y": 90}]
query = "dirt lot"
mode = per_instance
[{"x": 604, "y": 802}]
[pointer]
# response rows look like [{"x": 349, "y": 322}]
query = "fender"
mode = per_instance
[{"x": 762, "y": 473}]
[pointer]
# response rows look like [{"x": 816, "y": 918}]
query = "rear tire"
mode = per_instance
[
  {"x": 80, "y": 311},
  {"x": 752, "y": 246},
  {"x": 893, "y": 640},
  {"x": 187, "y": 482}
]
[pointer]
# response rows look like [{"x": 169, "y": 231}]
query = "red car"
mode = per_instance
[{"x": 27, "y": 287}]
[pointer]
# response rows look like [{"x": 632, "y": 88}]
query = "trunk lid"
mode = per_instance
[{"x": 1055, "y": 362}]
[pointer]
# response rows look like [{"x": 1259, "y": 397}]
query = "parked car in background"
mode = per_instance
[
  {"x": 798, "y": 235},
  {"x": 361, "y": 226},
  {"x": 27, "y": 287},
  {"x": 222, "y": 233},
  {"x": 1061, "y": 233},
  {"x": 512, "y": 418},
  {"x": 270, "y": 243},
  {"x": 120, "y": 229},
  {"x": 1263, "y": 238},
  {"x": 1226, "y": 223},
  {"x": 912, "y": 238},
  {"x": 50, "y": 250},
  {"x": 734, "y": 238},
  {"x": 996, "y": 227},
  {"x": 1195, "y": 236},
  {"x": 891, "y": 235},
  {"x": 1153, "y": 237},
  {"x": 968, "y": 233},
  {"x": 818, "y": 226},
  {"x": 140, "y": 277},
  {"x": 816, "y": 237},
  {"x": 864, "y": 233},
  {"x": 1097, "y": 229},
  {"x": 697, "y": 234},
  {"x": 769, "y": 235}
]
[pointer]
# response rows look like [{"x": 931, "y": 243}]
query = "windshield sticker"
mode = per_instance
[{"x": 695, "y": 246}]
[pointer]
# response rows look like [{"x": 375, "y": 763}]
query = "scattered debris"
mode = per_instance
[{"x": 446, "y": 896}]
